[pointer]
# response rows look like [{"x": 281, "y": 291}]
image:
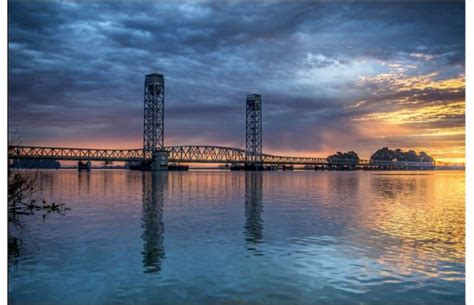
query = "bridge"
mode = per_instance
[
  {"x": 177, "y": 154},
  {"x": 157, "y": 155}
]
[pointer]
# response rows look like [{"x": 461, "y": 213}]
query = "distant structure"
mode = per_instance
[
  {"x": 154, "y": 117},
  {"x": 253, "y": 139}
]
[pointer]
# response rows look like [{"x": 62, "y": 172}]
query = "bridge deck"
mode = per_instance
[{"x": 185, "y": 154}]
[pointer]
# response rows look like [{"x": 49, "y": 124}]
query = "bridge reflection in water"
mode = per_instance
[
  {"x": 253, "y": 210},
  {"x": 326, "y": 231},
  {"x": 154, "y": 189}
]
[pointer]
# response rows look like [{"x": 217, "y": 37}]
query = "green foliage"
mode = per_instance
[
  {"x": 386, "y": 154},
  {"x": 348, "y": 157}
]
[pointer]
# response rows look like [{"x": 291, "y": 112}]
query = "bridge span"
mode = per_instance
[
  {"x": 195, "y": 154},
  {"x": 155, "y": 155},
  {"x": 176, "y": 154}
]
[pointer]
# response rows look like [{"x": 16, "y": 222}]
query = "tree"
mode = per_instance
[
  {"x": 386, "y": 154},
  {"x": 349, "y": 157},
  {"x": 22, "y": 191},
  {"x": 424, "y": 157}
]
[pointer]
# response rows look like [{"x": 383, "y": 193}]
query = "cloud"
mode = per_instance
[{"x": 76, "y": 70}]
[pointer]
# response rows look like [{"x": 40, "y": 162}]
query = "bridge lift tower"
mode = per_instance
[
  {"x": 253, "y": 138},
  {"x": 153, "y": 128}
]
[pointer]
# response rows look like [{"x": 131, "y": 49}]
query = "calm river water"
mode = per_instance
[{"x": 212, "y": 237}]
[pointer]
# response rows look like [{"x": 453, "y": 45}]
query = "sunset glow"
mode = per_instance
[
  {"x": 238, "y": 152},
  {"x": 332, "y": 77}
]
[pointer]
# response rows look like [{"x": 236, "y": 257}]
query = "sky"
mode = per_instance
[{"x": 333, "y": 76}]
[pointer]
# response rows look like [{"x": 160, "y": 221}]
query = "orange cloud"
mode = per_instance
[
  {"x": 399, "y": 82},
  {"x": 432, "y": 113},
  {"x": 411, "y": 120}
]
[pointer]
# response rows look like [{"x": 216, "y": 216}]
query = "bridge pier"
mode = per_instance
[
  {"x": 84, "y": 166},
  {"x": 253, "y": 167},
  {"x": 159, "y": 161}
]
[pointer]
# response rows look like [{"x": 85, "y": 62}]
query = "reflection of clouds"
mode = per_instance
[
  {"x": 253, "y": 209},
  {"x": 390, "y": 187},
  {"x": 154, "y": 185},
  {"x": 414, "y": 219}
]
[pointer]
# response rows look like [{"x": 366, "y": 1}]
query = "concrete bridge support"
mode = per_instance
[{"x": 159, "y": 161}]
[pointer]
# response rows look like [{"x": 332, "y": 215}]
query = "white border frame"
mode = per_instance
[{"x": 469, "y": 165}]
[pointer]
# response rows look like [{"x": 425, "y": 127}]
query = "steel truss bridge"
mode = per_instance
[
  {"x": 184, "y": 154},
  {"x": 158, "y": 155},
  {"x": 177, "y": 154}
]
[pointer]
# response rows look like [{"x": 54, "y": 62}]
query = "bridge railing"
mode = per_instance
[
  {"x": 347, "y": 162},
  {"x": 272, "y": 159},
  {"x": 402, "y": 164}
]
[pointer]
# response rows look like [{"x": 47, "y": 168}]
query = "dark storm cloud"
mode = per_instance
[{"x": 76, "y": 67}]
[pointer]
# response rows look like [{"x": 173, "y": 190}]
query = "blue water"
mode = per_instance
[{"x": 213, "y": 237}]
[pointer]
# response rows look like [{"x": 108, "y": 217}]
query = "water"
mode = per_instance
[{"x": 244, "y": 237}]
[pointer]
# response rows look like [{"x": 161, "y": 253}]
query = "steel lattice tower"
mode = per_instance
[
  {"x": 253, "y": 139},
  {"x": 153, "y": 129}
]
